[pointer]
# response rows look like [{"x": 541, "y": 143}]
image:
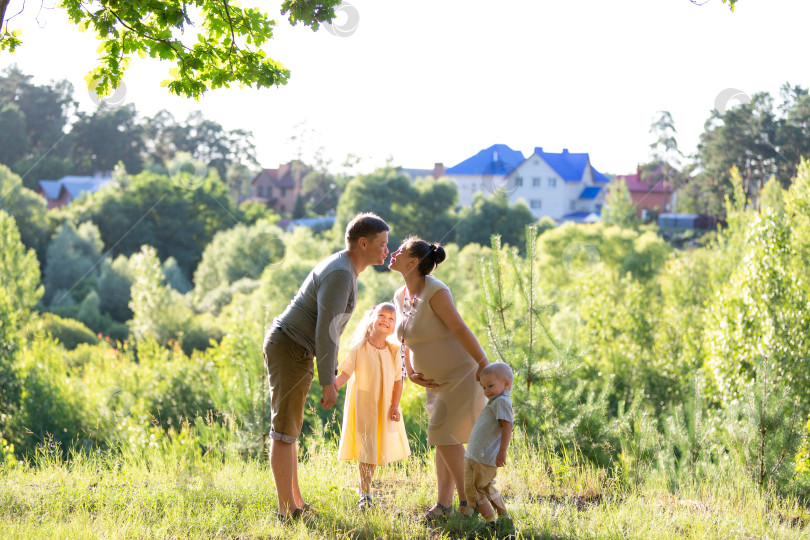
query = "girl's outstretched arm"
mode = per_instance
[
  {"x": 396, "y": 394},
  {"x": 341, "y": 379}
]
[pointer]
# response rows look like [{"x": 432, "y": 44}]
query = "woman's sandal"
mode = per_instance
[{"x": 438, "y": 512}]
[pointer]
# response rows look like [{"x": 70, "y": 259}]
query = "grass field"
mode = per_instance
[{"x": 172, "y": 490}]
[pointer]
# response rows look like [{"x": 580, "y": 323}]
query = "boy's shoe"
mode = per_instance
[
  {"x": 365, "y": 502},
  {"x": 486, "y": 530},
  {"x": 505, "y": 527},
  {"x": 438, "y": 512},
  {"x": 465, "y": 509}
]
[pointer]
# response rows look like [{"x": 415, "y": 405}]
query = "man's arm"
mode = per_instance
[{"x": 333, "y": 296}]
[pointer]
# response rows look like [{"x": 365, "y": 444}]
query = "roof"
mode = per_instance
[
  {"x": 322, "y": 222},
  {"x": 51, "y": 188},
  {"x": 287, "y": 175},
  {"x": 678, "y": 216},
  {"x": 416, "y": 173},
  {"x": 634, "y": 184},
  {"x": 590, "y": 192},
  {"x": 581, "y": 217},
  {"x": 74, "y": 185},
  {"x": 570, "y": 166},
  {"x": 497, "y": 160},
  {"x": 598, "y": 177}
]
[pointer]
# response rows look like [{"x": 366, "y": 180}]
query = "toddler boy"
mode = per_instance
[{"x": 486, "y": 450}]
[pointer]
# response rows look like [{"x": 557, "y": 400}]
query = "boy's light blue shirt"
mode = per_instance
[{"x": 485, "y": 438}]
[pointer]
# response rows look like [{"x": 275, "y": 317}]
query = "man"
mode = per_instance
[{"x": 311, "y": 326}]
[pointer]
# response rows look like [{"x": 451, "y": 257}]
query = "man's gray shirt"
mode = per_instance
[
  {"x": 485, "y": 438},
  {"x": 317, "y": 316}
]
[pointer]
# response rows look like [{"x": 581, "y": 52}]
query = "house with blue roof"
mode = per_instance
[
  {"x": 561, "y": 185},
  {"x": 487, "y": 172},
  {"x": 68, "y": 188}
]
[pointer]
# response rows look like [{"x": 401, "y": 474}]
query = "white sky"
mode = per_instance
[{"x": 436, "y": 81}]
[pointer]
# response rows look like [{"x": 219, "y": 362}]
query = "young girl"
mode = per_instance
[{"x": 373, "y": 432}]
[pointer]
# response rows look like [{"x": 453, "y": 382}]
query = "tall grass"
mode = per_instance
[{"x": 183, "y": 486}]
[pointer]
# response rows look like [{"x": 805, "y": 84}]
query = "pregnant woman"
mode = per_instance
[{"x": 440, "y": 353}]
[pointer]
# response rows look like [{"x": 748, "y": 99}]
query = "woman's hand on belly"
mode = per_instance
[{"x": 421, "y": 381}]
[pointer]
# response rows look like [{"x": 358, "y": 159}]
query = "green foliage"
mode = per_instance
[
  {"x": 240, "y": 388},
  {"x": 422, "y": 207},
  {"x": 207, "y": 142},
  {"x": 240, "y": 253},
  {"x": 69, "y": 332},
  {"x": 10, "y": 384},
  {"x": 159, "y": 312},
  {"x": 761, "y": 312},
  {"x": 177, "y": 388},
  {"x": 178, "y": 216},
  {"x": 228, "y": 47},
  {"x": 114, "y": 287},
  {"x": 619, "y": 208},
  {"x": 518, "y": 322},
  {"x": 494, "y": 215},
  {"x": 106, "y": 137},
  {"x": 689, "y": 439},
  {"x": 45, "y": 110},
  {"x": 254, "y": 211},
  {"x": 762, "y": 429},
  {"x": 13, "y": 138},
  {"x": 52, "y": 408},
  {"x": 320, "y": 192},
  {"x": 19, "y": 271},
  {"x": 72, "y": 261}
]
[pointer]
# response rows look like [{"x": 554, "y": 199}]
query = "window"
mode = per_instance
[
  {"x": 518, "y": 181},
  {"x": 536, "y": 204},
  {"x": 552, "y": 182},
  {"x": 536, "y": 181},
  {"x": 573, "y": 205},
  {"x": 261, "y": 191},
  {"x": 269, "y": 192},
  {"x": 283, "y": 192}
]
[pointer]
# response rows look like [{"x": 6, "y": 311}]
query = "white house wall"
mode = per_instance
[{"x": 554, "y": 200}]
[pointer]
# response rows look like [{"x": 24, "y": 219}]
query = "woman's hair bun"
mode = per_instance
[
  {"x": 429, "y": 255},
  {"x": 437, "y": 253}
]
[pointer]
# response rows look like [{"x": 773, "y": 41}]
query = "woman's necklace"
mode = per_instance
[{"x": 409, "y": 305}]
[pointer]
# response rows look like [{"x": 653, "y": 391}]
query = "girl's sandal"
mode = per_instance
[
  {"x": 365, "y": 502},
  {"x": 438, "y": 512},
  {"x": 465, "y": 509}
]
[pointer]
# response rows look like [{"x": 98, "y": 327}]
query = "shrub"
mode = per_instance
[{"x": 69, "y": 332}]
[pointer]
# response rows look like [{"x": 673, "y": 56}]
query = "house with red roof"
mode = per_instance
[
  {"x": 279, "y": 188},
  {"x": 652, "y": 194}
]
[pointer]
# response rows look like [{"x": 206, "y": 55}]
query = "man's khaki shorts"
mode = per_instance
[
  {"x": 479, "y": 483},
  {"x": 290, "y": 369}
]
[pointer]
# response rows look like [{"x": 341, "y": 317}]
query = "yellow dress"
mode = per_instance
[{"x": 368, "y": 434}]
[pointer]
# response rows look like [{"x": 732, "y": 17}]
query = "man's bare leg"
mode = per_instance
[{"x": 284, "y": 464}]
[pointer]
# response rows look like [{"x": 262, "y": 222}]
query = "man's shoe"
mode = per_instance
[{"x": 295, "y": 515}]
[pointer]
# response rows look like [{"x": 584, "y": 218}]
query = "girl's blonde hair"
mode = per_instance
[{"x": 364, "y": 329}]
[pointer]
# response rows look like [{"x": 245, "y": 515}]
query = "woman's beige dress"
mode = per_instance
[
  {"x": 456, "y": 403},
  {"x": 368, "y": 434}
]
